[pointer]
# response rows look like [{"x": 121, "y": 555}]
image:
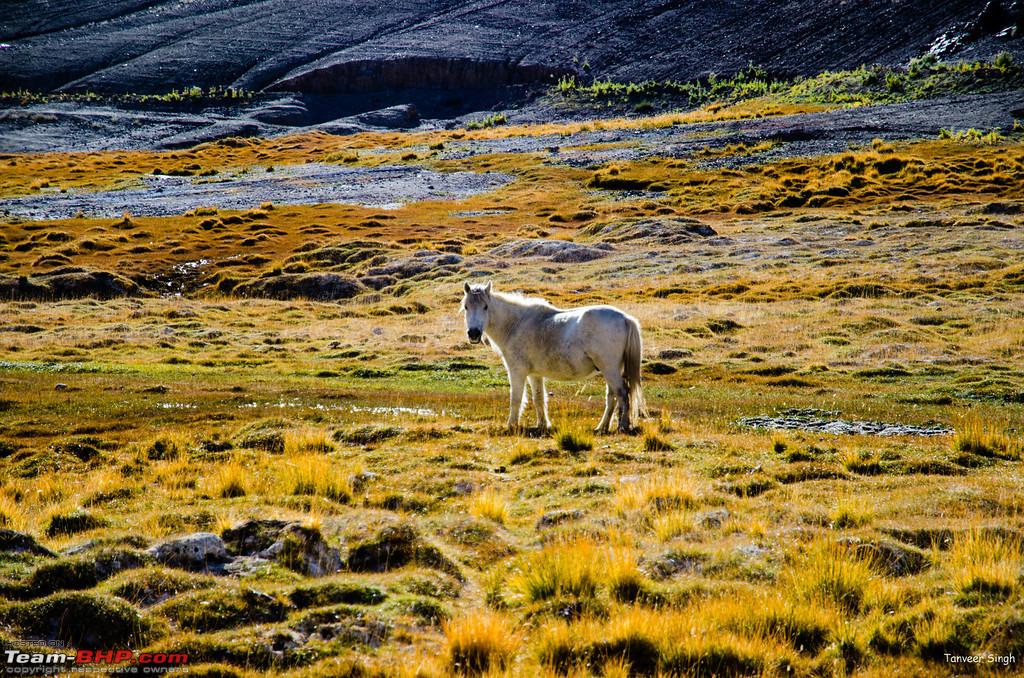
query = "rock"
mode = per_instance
[
  {"x": 314, "y": 286},
  {"x": 69, "y": 282},
  {"x": 557, "y": 251},
  {"x": 302, "y": 549},
  {"x": 60, "y": 387},
  {"x": 552, "y": 518},
  {"x": 291, "y": 112},
  {"x": 394, "y": 117},
  {"x": 201, "y": 551},
  {"x": 712, "y": 520},
  {"x": 18, "y": 542},
  {"x": 420, "y": 262},
  {"x": 675, "y": 353},
  {"x": 463, "y": 487}
]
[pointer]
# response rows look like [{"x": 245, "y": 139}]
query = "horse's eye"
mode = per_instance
[{"x": 485, "y": 307}]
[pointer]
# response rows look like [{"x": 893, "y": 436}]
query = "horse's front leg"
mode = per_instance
[
  {"x": 516, "y": 382},
  {"x": 540, "y": 403}
]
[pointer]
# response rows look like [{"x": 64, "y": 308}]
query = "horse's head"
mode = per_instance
[{"x": 475, "y": 305}]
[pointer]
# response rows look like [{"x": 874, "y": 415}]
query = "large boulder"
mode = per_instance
[
  {"x": 295, "y": 546},
  {"x": 394, "y": 117},
  {"x": 199, "y": 552}
]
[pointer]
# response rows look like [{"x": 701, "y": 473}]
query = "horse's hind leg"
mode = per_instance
[
  {"x": 617, "y": 388},
  {"x": 540, "y": 403},
  {"x": 609, "y": 407}
]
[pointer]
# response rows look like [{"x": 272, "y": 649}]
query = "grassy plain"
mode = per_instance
[{"x": 883, "y": 283}]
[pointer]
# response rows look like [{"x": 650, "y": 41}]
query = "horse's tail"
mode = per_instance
[{"x": 631, "y": 358}]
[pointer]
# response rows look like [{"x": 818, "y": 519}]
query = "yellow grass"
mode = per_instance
[
  {"x": 479, "y": 643},
  {"x": 489, "y": 505},
  {"x": 662, "y": 491},
  {"x": 986, "y": 563}
]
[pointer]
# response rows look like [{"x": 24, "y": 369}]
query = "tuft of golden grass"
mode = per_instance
[
  {"x": 661, "y": 492},
  {"x": 12, "y": 514},
  {"x": 666, "y": 641},
  {"x": 574, "y": 441},
  {"x": 986, "y": 563},
  {"x": 653, "y": 440},
  {"x": 827, "y": 573},
  {"x": 668, "y": 525},
  {"x": 229, "y": 480},
  {"x": 976, "y": 436},
  {"x": 315, "y": 474},
  {"x": 489, "y": 505},
  {"x": 480, "y": 643},
  {"x": 851, "y": 511},
  {"x": 307, "y": 439}
]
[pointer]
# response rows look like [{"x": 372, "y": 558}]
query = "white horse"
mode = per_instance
[{"x": 537, "y": 341}]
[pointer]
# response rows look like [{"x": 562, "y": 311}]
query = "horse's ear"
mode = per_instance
[
  {"x": 465, "y": 286},
  {"x": 487, "y": 287}
]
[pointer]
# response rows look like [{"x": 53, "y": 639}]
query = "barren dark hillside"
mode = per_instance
[{"x": 349, "y": 46}]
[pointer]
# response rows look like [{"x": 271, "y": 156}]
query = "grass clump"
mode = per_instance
[
  {"x": 493, "y": 120},
  {"x": 489, "y": 505},
  {"x": 653, "y": 441},
  {"x": 83, "y": 620},
  {"x": 851, "y": 512},
  {"x": 335, "y": 593},
  {"x": 480, "y": 643},
  {"x": 230, "y": 480},
  {"x": 669, "y": 492},
  {"x": 371, "y": 434},
  {"x": 65, "y": 524},
  {"x": 827, "y": 573},
  {"x": 316, "y": 475},
  {"x": 222, "y": 609},
  {"x": 986, "y": 564},
  {"x": 307, "y": 439},
  {"x": 574, "y": 442},
  {"x": 978, "y": 437},
  {"x": 577, "y": 569}
]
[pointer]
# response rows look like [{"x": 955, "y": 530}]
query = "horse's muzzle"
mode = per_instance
[{"x": 475, "y": 335}]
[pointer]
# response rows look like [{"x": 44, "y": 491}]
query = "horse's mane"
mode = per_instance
[{"x": 522, "y": 300}]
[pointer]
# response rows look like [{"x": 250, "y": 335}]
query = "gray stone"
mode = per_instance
[
  {"x": 552, "y": 518},
  {"x": 199, "y": 551}
]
